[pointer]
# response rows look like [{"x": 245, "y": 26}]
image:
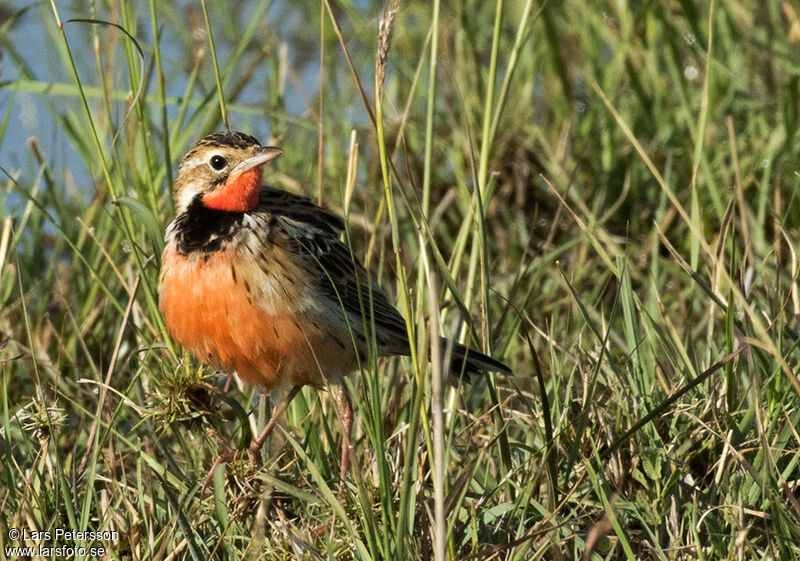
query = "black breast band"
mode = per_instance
[{"x": 205, "y": 229}]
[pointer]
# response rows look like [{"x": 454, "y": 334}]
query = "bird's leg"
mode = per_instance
[
  {"x": 255, "y": 446},
  {"x": 227, "y": 455},
  {"x": 228, "y": 381},
  {"x": 345, "y": 408}
]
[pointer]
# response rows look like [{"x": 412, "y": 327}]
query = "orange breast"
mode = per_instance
[{"x": 214, "y": 313}]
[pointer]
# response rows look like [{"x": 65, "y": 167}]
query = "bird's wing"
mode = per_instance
[{"x": 300, "y": 227}]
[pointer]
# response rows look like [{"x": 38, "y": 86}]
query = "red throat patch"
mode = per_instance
[{"x": 238, "y": 194}]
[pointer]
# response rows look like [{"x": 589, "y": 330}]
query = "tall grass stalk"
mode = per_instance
[{"x": 220, "y": 93}]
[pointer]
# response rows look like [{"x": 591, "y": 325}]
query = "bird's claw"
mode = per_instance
[{"x": 229, "y": 455}]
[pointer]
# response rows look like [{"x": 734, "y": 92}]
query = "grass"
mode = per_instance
[{"x": 608, "y": 190}]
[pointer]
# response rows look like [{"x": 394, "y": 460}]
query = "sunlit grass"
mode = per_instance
[{"x": 581, "y": 190}]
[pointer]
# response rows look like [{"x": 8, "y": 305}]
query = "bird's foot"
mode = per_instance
[{"x": 229, "y": 454}]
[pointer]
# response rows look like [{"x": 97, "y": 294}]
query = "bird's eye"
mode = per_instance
[{"x": 218, "y": 162}]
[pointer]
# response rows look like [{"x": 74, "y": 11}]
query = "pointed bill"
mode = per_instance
[{"x": 261, "y": 156}]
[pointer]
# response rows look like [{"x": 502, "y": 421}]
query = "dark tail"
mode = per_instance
[{"x": 471, "y": 361}]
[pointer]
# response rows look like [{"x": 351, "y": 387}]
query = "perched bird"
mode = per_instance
[{"x": 256, "y": 280}]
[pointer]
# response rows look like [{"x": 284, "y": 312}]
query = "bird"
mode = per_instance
[{"x": 257, "y": 280}]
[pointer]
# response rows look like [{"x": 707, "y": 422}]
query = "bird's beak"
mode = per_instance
[{"x": 261, "y": 156}]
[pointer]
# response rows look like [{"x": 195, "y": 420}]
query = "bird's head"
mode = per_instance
[{"x": 224, "y": 171}]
